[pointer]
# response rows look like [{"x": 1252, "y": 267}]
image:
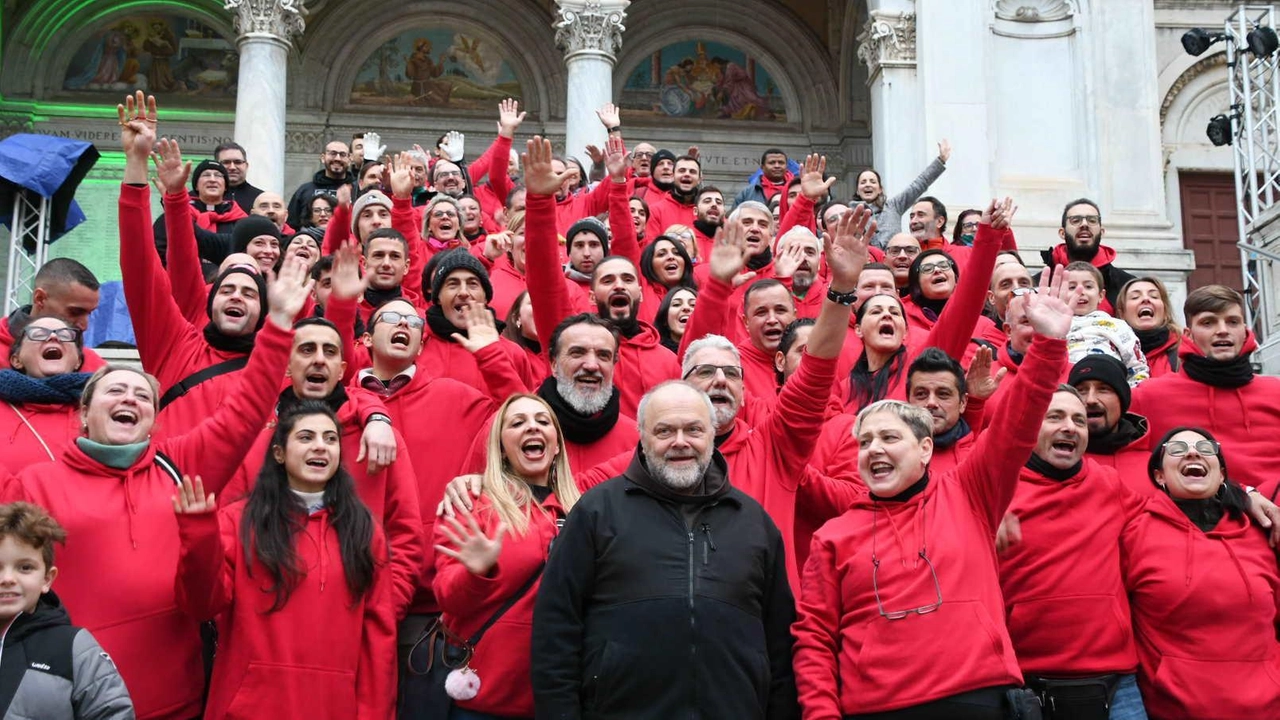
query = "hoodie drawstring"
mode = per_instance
[
  {"x": 324, "y": 549},
  {"x": 1244, "y": 577},
  {"x": 131, "y": 508}
]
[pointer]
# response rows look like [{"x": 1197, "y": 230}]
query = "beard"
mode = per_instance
[
  {"x": 681, "y": 478},
  {"x": 1086, "y": 250},
  {"x": 801, "y": 281},
  {"x": 585, "y": 402}
]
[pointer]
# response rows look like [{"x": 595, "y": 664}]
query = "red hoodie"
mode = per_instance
[
  {"x": 848, "y": 658},
  {"x": 502, "y": 657},
  {"x": 121, "y": 555},
  {"x": 1105, "y": 256},
  {"x": 321, "y": 655},
  {"x": 492, "y": 195},
  {"x": 32, "y": 433},
  {"x": 1160, "y": 360},
  {"x": 391, "y": 495},
  {"x": 1246, "y": 420},
  {"x": 1204, "y": 613},
  {"x": 1065, "y": 601}
]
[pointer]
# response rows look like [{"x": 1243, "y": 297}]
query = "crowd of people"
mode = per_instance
[{"x": 509, "y": 435}]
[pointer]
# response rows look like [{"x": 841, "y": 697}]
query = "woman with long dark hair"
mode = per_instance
[
  {"x": 931, "y": 281},
  {"x": 296, "y": 575},
  {"x": 672, "y": 318},
  {"x": 1203, "y": 587},
  {"x": 664, "y": 264}
]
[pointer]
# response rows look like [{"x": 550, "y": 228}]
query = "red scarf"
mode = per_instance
[
  {"x": 209, "y": 219},
  {"x": 771, "y": 188}
]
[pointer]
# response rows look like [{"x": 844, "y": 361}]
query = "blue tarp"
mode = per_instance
[
  {"x": 49, "y": 166},
  {"x": 110, "y": 321}
]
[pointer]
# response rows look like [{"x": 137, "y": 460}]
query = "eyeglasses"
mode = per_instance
[
  {"x": 322, "y": 210},
  {"x": 1078, "y": 219},
  {"x": 336, "y": 154},
  {"x": 907, "y": 250},
  {"x": 875, "y": 571},
  {"x": 641, "y": 155},
  {"x": 707, "y": 372},
  {"x": 1178, "y": 448},
  {"x": 448, "y": 174},
  {"x": 940, "y": 265},
  {"x": 40, "y": 334},
  {"x": 969, "y": 225},
  {"x": 392, "y": 317},
  {"x": 443, "y": 214}
]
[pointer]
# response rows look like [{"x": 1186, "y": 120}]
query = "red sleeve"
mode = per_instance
[
  {"x": 974, "y": 410},
  {"x": 205, "y": 584},
  {"x": 183, "y": 257},
  {"x": 459, "y": 591},
  {"x": 402, "y": 520},
  {"x": 990, "y": 472},
  {"x": 376, "y": 672},
  {"x": 822, "y": 497},
  {"x": 501, "y": 378},
  {"x": 550, "y": 298},
  {"x": 958, "y": 319},
  {"x": 158, "y": 324},
  {"x": 338, "y": 231},
  {"x": 611, "y": 468},
  {"x": 796, "y": 422},
  {"x": 342, "y": 313},
  {"x": 817, "y": 634},
  {"x": 499, "y": 181},
  {"x": 1009, "y": 242},
  {"x": 711, "y": 316},
  {"x": 624, "y": 240},
  {"x": 405, "y": 220},
  {"x": 593, "y": 202},
  {"x": 218, "y": 444},
  {"x": 799, "y": 213}
]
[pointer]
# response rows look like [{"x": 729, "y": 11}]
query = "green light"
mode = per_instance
[
  {"x": 44, "y": 111},
  {"x": 52, "y": 25}
]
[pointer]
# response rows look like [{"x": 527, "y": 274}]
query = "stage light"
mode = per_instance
[
  {"x": 1196, "y": 40},
  {"x": 1219, "y": 130},
  {"x": 1262, "y": 41}
]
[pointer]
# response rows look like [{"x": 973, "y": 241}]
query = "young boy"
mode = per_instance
[
  {"x": 1094, "y": 331},
  {"x": 51, "y": 669}
]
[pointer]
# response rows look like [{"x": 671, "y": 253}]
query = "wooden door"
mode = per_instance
[{"x": 1209, "y": 228}]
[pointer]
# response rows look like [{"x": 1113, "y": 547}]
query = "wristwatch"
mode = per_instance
[
  {"x": 378, "y": 417},
  {"x": 847, "y": 299},
  {"x": 615, "y": 129}
]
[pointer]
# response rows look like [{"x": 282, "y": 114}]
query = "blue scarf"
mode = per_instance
[{"x": 64, "y": 389}]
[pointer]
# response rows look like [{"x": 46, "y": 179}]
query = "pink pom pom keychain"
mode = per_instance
[{"x": 462, "y": 684}]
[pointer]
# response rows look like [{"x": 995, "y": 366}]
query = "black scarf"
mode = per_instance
[
  {"x": 289, "y": 399},
  {"x": 683, "y": 198},
  {"x": 578, "y": 428},
  {"x": 1204, "y": 513},
  {"x": 932, "y": 308},
  {"x": 1234, "y": 373},
  {"x": 952, "y": 436},
  {"x": 1130, "y": 428},
  {"x": 376, "y": 297},
  {"x": 1152, "y": 339},
  {"x": 1014, "y": 355},
  {"x": 1038, "y": 464},
  {"x": 668, "y": 187},
  {"x": 217, "y": 340},
  {"x": 707, "y": 228},
  {"x": 916, "y": 488},
  {"x": 755, "y": 262},
  {"x": 64, "y": 389},
  {"x": 440, "y": 325},
  {"x": 714, "y": 485}
]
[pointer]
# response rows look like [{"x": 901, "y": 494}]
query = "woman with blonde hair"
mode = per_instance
[
  {"x": 1144, "y": 304},
  {"x": 489, "y": 561}
]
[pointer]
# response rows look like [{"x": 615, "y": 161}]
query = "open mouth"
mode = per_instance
[
  {"x": 773, "y": 333},
  {"x": 1095, "y": 412},
  {"x": 719, "y": 397},
  {"x": 320, "y": 463},
  {"x": 683, "y": 318},
  {"x": 620, "y": 299},
  {"x": 1064, "y": 446},
  {"x": 125, "y": 417},
  {"x": 1195, "y": 469},
  {"x": 316, "y": 378},
  {"x": 589, "y": 379},
  {"x": 672, "y": 268},
  {"x": 880, "y": 470},
  {"x": 533, "y": 449},
  {"x": 886, "y": 330},
  {"x": 938, "y": 279},
  {"x": 1223, "y": 344},
  {"x": 400, "y": 337},
  {"x": 234, "y": 311},
  {"x": 1146, "y": 311},
  {"x": 53, "y": 352}
]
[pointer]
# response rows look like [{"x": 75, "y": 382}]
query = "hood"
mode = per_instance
[
  {"x": 17, "y": 317},
  {"x": 322, "y": 181},
  {"x": 1028, "y": 475},
  {"x": 647, "y": 338},
  {"x": 49, "y": 613},
  {"x": 1188, "y": 347},
  {"x": 1058, "y": 256}
]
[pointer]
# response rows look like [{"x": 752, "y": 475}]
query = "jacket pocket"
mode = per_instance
[
  {"x": 271, "y": 690},
  {"x": 1049, "y": 629},
  {"x": 1183, "y": 687},
  {"x": 961, "y": 639}
]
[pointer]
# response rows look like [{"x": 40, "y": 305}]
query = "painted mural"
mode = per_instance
[
  {"x": 436, "y": 67},
  {"x": 704, "y": 80},
  {"x": 167, "y": 54}
]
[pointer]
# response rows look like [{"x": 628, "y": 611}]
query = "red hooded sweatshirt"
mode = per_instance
[
  {"x": 92, "y": 360},
  {"x": 642, "y": 360},
  {"x": 391, "y": 495},
  {"x": 1065, "y": 601},
  {"x": 1104, "y": 257},
  {"x": 121, "y": 555},
  {"x": 1246, "y": 420},
  {"x": 502, "y": 657},
  {"x": 1204, "y": 614},
  {"x": 492, "y": 195},
  {"x": 32, "y": 433},
  {"x": 321, "y": 655},
  {"x": 1160, "y": 360},
  {"x": 849, "y": 659}
]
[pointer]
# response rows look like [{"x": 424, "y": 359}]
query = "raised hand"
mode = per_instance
[
  {"x": 373, "y": 147},
  {"x": 482, "y": 332},
  {"x": 509, "y": 118},
  {"x": 788, "y": 260},
  {"x": 477, "y": 553},
  {"x": 1002, "y": 213},
  {"x": 399, "y": 175},
  {"x": 454, "y": 146},
  {"x": 287, "y": 293},
  {"x": 615, "y": 158},
  {"x": 812, "y": 184},
  {"x": 729, "y": 254},
  {"x": 693, "y": 152},
  {"x": 497, "y": 244},
  {"x": 608, "y": 114},
  {"x": 191, "y": 500},
  {"x": 596, "y": 155},
  {"x": 981, "y": 383},
  {"x": 540, "y": 177},
  {"x": 344, "y": 195},
  {"x": 1049, "y": 307},
  {"x": 847, "y": 247},
  {"x": 346, "y": 281},
  {"x": 944, "y": 150},
  {"x": 137, "y": 116},
  {"x": 171, "y": 172}
]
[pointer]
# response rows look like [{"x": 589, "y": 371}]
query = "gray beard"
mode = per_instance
[
  {"x": 586, "y": 403},
  {"x": 677, "y": 479},
  {"x": 800, "y": 284}
]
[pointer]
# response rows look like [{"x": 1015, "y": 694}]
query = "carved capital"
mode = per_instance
[
  {"x": 591, "y": 27},
  {"x": 888, "y": 40},
  {"x": 282, "y": 19},
  {"x": 1032, "y": 11}
]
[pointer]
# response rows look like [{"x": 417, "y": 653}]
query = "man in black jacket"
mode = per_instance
[
  {"x": 336, "y": 172},
  {"x": 1082, "y": 234},
  {"x": 666, "y": 593}
]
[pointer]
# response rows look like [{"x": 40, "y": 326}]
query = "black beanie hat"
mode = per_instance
[
  {"x": 661, "y": 155},
  {"x": 591, "y": 225},
  {"x": 257, "y": 278},
  {"x": 248, "y": 228},
  {"x": 209, "y": 165},
  {"x": 459, "y": 259},
  {"x": 1104, "y": 369}
]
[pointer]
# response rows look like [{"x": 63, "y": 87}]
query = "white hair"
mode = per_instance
[
  {"x": 800, "y": 232},
  {"x": 719, "y": 342},
  {"x": 917, "y": 419},
  {"x": 418, "y": 156},
  {"x": 751, "y": 205},
  {"x": 643, "y": 408}
]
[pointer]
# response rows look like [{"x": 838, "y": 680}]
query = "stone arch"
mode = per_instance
[
  {"x": 334, "y": 49},
  {"x": 652, "y": 26}
]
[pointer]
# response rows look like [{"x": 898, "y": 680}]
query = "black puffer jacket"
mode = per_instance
[{"x": 656, "y": 605}]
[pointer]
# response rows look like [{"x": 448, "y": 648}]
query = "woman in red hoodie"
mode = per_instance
[
  {"x": 290, "y": 647},
  {"x": 1203, "y": 588},
  {"x": 1143, "y": 303},
  {"x": 41, "y": 392},
  {"x": 488, "y": 563}
]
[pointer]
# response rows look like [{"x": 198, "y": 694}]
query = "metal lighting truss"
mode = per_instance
[
  {"x": 1255, "y": 125},
  {"x": 29, "y": 228}
]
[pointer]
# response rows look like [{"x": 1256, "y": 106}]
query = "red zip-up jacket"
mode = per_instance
[
  {"x": 322, "y": 655},
  {"x": 1065, "y": 601},
  {"x": 1246, "y": 420},
  {"x": 848, "y": 658},
  {"x": 1204, "y": 614},
  {"x": 502, "y": 658},
  {"x": 579, "y": 205},
  {"x": 92, "y": 360},
  {"x": 33, "y": 433},
  {"x": 121, "y": 554},
  {"x": 391, "y": 494},
  {"x": 642, "y": 360}
]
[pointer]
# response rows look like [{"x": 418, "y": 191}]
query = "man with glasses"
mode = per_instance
[
  {"x": 447, "y": 178},
  {"x": 233, "y": 157},
  {"x": 1081, "y": 234},
  {"x": 335, "y": 172},
  {"x": 899, "y": 253}
]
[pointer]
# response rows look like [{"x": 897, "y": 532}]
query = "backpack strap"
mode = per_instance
[
  {"x": 188, "y": 383},
  {"x": 169, "y": 467}
]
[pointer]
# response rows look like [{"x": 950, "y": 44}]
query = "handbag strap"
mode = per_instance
[
  {"x": 186, "y": 384},
  {"x": 524, "y": 590}
]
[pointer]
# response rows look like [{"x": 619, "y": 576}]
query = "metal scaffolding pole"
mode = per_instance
[{"x": 30, "y": 229}]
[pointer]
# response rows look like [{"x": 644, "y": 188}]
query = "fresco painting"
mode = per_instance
[
  {"x": 703, "y": 80},
  {"x": 436, "y": 67},
  {"x": 157, "y": 53}
]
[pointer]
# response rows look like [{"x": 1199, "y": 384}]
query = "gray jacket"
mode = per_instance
[{"x": 889, "y": 218}]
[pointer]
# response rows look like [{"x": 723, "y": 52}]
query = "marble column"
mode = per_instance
[
  {"x": 590, "y": 34},
  {"x": 887, "y": 46},
  {"x": 265, "y": 28}
]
